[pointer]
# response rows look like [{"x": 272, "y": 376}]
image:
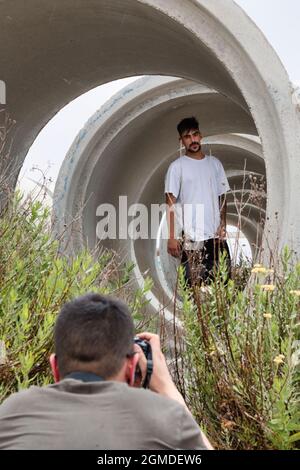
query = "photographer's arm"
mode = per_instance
[{"x": 161, "y": 381}]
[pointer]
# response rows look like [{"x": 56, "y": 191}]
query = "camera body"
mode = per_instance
[
  {"x": 146, "y": 348},
  {"x": 144, "y": 345}
]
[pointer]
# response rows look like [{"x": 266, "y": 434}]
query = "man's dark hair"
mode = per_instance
[
  {"x": 93, "y": 333},
  {"x": 187, "y": 124}
]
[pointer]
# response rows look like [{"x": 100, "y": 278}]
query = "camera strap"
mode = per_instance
[
  {"x": 149, "y": 368},
  {"x": 84, "y": 376}
]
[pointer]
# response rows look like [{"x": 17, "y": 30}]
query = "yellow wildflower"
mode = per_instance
[
  {"x": 279, "y": 359},
  {"x": 267, "y": 287},
  {"x": 295, "y": 292},
  {"x": 259, "y": 270},
  {"x": 267, "y": 315}
]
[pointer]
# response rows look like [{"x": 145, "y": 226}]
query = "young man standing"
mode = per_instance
[{"x": 197, "y": 182}]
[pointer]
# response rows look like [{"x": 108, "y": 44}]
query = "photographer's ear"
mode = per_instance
[{"x": 54, "y": 367}]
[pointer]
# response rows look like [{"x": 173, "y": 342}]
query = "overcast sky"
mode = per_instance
[{"x": 279, "y": 20}]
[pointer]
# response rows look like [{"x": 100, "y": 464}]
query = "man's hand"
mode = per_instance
[
  {"x": 173, "y": 244},
  {"x": 141, "y": 367},
  {"x": 174, "y": 248},
  {"x": 161, "y": 381},
  {"x": 221, "y": 232}
]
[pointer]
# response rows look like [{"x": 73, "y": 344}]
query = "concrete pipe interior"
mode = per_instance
[{"x": 133, "y": 139}]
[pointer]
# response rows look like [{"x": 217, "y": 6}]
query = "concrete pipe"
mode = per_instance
[
  {"x": 133, "y": 139},
  {"x": 212, "y": 42}
]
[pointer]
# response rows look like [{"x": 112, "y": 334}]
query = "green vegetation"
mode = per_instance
[
  {"x": 237, "y": 358},
  {"x": 236, "y": 354},
  {"x": 35, "y": 280}
]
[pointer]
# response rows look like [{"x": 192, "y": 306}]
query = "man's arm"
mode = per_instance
[
  {"x": 221, "y": 232},
  {"x": 173, "y": 243},
  {"x": 161, "y": 381}
]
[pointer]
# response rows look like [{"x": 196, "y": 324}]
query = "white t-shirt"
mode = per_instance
[{"x": 197, "y": 184}]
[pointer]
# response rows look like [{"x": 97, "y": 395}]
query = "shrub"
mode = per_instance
[
  {"x": 35, "y": 280},
  {"x": 236, "y": 358}
]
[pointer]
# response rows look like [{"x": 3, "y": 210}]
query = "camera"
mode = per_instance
[
  {"x": 146, "y": 348},
  {"x": 144, "y": 345}
]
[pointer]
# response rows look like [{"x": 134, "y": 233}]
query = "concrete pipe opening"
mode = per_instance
[{"x": 133, "y": 140}]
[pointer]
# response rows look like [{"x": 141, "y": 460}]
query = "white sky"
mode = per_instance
[{"x": 279, "y": 20}]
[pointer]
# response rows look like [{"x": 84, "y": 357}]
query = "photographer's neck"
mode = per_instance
[{"x": 84, "y": 376}]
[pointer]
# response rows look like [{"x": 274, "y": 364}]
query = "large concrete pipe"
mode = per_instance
[
  {"x": 53, "y": 51},
  {"x": 133, "y": 138}
]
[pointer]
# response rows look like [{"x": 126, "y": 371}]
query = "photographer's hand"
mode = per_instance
[
  {"x": 141, "y": 367},
  {"x": 161, "y": 380}
]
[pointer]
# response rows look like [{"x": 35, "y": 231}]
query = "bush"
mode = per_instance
[
  {"x": 236, "y": 358},
  {"x": 34, "y": 283}
]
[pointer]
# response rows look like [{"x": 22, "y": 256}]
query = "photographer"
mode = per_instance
[{"x": 97, "y": 401}]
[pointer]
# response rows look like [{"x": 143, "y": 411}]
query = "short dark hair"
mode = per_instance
[
  {"x": 93, "y": 333},
  {"x": 187, "y": 124}
]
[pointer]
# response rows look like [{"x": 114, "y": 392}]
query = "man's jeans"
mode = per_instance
[{"x": 201, "y": 266}]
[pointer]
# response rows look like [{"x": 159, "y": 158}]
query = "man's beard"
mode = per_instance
[{"x": 193, "y": 150}]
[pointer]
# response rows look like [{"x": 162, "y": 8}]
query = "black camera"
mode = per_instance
[{"x": 146, "y": 348}]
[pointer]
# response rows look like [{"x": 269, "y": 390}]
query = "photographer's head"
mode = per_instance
[{"x": 94, "y": 333}]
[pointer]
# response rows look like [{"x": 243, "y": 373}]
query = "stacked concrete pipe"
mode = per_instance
[
  {"x": 133, "y": 138},
  {"x": 53, "y": 51}
]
